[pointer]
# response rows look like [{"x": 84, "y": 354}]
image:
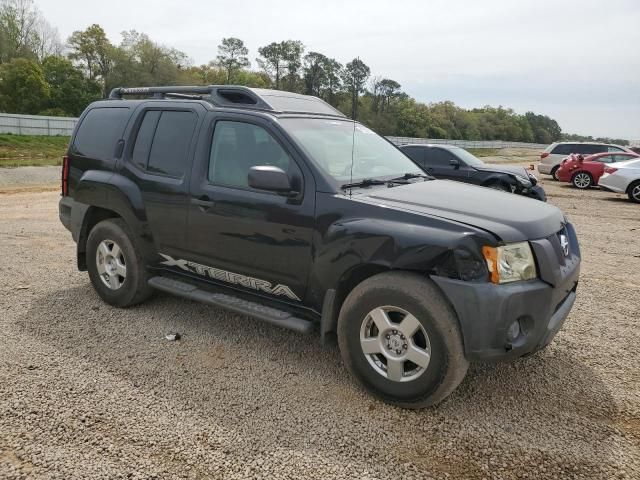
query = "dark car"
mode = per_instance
[
  {"x": 449, "y": 162},
  {"x": 274, "y": 205}
]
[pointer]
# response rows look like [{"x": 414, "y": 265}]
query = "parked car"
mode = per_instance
[
  {"x": 623, "y": 177},
  {"x": 275, "y": 205},
  {"x": 449, "y": 162},
  {"x": 553, "y": 155},
  {"x": 584, "y": 172}
]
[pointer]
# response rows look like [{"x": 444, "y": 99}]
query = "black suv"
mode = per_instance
[
  {"x": 274, "y": 205},
  {"x": 449, "y": 162}
]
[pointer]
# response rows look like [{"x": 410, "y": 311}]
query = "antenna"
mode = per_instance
[{"x": 353, "y": 147}]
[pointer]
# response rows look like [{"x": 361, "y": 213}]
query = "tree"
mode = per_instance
[
  {"x": 94, "y": 52},
  {"x": 71, "y": 92},
  {"x": 355, "y": 76},
  {"x": 23, "y": 88},
  {"x": 24, "y": 33},
  {"x": 315, "y": 73},
  {"x": 281, "y": 58},
  {"x": 545, "y": 129},
  {"x": 232, "y": 56}
]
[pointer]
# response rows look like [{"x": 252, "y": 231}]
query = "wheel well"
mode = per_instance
[
  {"x": 93, "y": 216},
  {"x": 347, "y": 283},
  {"x": 495, "y": 181},
  {"x": 632, "y": 184}
]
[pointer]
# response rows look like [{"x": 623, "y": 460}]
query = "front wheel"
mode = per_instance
[
  {"x": 400, "y": 339},
  {"x": 634, "y": 191},
  {"x": 554, "y": 173},
  {"x": 582, "y": 180}
]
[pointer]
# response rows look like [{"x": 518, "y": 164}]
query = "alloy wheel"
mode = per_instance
[
  {"x": 111, "y": 264},
  {"x": 395, "y": 343},
  {"x": 582, "y": 180}
]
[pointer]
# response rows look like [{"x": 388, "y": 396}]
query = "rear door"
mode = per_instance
[
  {"x": 244, "y": 237},
  {"x": 158, "y": 160}
]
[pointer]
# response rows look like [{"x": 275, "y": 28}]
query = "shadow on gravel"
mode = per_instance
[{"x": 268, "y": 383}]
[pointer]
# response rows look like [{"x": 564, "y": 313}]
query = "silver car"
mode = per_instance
[
  {"x": 553, "y": 155},
  {"x": 623, "y": 177}
]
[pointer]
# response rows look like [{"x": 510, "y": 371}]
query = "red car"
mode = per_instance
[{"x": 584, "y": 172}]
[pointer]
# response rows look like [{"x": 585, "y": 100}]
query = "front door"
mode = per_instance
[
  {"x": 243, "y": 237},
  {"x": 439, "y": 159}
]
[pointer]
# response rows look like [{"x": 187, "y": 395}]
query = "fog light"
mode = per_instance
[{"x": 514, "y": 331}]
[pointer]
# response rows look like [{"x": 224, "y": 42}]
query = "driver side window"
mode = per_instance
[{"x": 238, "y": 146}]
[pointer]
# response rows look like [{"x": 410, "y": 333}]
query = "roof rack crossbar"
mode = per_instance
[{"x": 229, "y": 96}]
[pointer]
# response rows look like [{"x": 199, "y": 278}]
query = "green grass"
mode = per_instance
[
  {"x": 483, "y": 152},
  {"x": 26, "y": 150}
]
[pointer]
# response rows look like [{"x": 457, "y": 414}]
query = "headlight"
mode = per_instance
[
  {"x": 510, "y": 263},
  {"x": 524, "y": 182}
]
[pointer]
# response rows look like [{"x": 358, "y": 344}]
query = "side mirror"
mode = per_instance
[
  {"x": 272, "y": 179},
  {"x": 454, "y": 163}
]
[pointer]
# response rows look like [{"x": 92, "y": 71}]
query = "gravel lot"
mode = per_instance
[{"x": 90, "y": 391}]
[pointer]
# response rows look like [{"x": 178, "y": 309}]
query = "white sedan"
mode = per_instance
[{"x": 622, "y": 177}]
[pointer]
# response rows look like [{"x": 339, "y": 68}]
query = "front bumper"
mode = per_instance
[{"x": 486, "y": 311}]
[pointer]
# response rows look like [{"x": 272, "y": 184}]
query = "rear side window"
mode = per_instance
[
  {"x": 564, "y": 149},
  {"x": 99, "y": 132},
  {"x": 588, "y": 149},
  {"x": 163, "y": 140},
  {"x": 415, "y": 153},
  {"x": 613, "y": 149},
  {"x": 142, "y": 146}
]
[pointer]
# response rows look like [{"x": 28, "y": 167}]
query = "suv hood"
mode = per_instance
[{"x": 512, "y": 218}]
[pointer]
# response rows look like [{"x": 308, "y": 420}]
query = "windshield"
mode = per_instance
[
  {"x": 467, "y": 157},
  {"x": 331, "y": 144}
]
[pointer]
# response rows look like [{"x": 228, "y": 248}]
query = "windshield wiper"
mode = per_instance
[
  {"x": 409, "y": 176},
  {"x": 365, "y": 182}
]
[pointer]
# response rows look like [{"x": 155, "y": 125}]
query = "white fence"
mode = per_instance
[
  {"x": 468, "y": 143},
  {"x": 36, "y": 124},
  {"x": 40, "y": 125}
]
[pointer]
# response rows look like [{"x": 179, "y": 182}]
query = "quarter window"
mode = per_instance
[
  {"x": 238, "y": 146},
  {"x": 99, "y": 132}
]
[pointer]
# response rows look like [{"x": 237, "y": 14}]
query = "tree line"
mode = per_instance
[{"x": 40, "y": 74}]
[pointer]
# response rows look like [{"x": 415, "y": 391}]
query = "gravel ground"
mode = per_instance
[
  {"x": 25, "y": 179},
  {"x": 90, "y": 391}
]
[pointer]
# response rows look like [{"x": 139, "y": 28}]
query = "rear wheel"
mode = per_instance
[
  {"x": 582, "y": 180},
  {"x": 400, "y": 339},
  {"x": 115, "y": 266},
  {"x": 634, "y": 191},
  {"x": 554, "y": 173}
]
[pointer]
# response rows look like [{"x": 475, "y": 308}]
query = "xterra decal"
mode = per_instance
[{"x": 229, "y": 277}]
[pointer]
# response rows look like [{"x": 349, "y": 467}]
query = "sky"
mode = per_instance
[{"x": 576, "y": 61}]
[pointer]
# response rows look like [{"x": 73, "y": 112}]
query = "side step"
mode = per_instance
[{"x": 277, "y": 317}]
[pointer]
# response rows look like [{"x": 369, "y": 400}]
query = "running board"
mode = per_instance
[{"x": 271, "y": 315}]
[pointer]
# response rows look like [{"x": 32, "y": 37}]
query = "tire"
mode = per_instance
[
  {"x": 117, "y": 271},
  {"x": 437, "y": 332},
  {"x": 634, "y": 192},
  {"x": 582, "y": 180},
  {"x": 554, "y": 173}
]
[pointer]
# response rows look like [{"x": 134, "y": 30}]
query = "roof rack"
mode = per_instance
[{"x": 275, "y": 101}]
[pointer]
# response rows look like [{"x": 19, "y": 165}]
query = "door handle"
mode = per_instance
[{"x": 204, "y": 202}]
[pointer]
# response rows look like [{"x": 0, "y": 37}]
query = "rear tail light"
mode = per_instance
[
  {"x": 610, "y": 170},
  {"x": 65, "y": 176},
  {"x": 544, "y": 155}
]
